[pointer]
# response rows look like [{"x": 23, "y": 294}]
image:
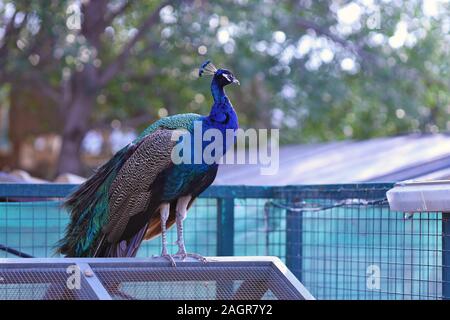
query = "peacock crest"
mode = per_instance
[{"x": 207, "y": 68}]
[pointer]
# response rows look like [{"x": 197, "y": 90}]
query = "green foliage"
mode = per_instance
[{"x": 301, "y": 68}]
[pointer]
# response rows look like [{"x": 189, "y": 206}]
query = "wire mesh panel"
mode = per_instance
[
  {"x": 342, "y": 241},
  {"x": 194, "y": 281},
  {"x": 41, "y": 282},
  {"x": 149, "y": 279},
  {"x": 254, "y": 231},
  {"x": 345, "y": 243},
  {"x": 31, "y": 225},
  {"x": 34, "y": 226}
]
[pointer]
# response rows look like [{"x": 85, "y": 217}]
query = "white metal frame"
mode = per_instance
[{"x": 420, "y": 196}]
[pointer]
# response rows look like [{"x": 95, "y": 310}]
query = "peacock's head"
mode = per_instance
[{"x": 222, "y": 76}]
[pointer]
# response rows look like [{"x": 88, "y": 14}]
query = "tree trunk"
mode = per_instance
[
  {"x": 78, "y": 104},
  {"x": 75, "y": 128}
]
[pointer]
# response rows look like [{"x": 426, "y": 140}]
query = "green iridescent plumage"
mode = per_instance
[{"x": 178, "y": 121}]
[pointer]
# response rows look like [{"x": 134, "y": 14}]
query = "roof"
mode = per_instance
[{"x": 387, "y": 159}]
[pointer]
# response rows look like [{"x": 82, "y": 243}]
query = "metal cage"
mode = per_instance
[
  {"x": 224, "y": 278},
  {"x": 336, "y": 239}
]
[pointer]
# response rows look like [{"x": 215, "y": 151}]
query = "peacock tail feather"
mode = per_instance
[{"x": 88, "y": 207}]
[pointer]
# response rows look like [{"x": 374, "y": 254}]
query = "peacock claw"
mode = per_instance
[
  {"x": 183, "y": 255},
  {"x": 168, "y": 257}
]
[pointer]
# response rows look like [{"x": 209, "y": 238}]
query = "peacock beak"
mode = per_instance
[{"x": 237, "y": 82}]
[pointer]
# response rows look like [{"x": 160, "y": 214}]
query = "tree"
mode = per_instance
[
  {"x": 69, "y": 65},
  {"x": 319, "y": 70}
]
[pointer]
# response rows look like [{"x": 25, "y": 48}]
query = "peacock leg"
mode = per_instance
[
  {"x": 181, "y": 212},
  {"x": 164, "y": 212}
]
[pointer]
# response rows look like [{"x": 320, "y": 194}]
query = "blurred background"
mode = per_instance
[{"x": 359, "y": 89}]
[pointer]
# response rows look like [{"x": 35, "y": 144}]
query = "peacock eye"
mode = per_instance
[{"x": 226, "y": 76}]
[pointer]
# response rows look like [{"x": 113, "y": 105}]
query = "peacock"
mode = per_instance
[{"x": 140, "y": 192}]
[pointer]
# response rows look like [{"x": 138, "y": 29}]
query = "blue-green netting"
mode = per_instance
[
  {"x": 335, "y": 250},
  {"x": 35, "y": 227}
]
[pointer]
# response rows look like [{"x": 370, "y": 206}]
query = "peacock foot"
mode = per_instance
[
  {"x": 182, "y": 255},
  {"x": 168, "y": 257}
]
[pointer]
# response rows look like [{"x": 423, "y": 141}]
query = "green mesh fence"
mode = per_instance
[{"x": 341, "y": 241}]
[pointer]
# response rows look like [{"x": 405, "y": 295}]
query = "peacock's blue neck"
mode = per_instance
[
  {"x": 217, "y": 91},
  {"x": 222, "y": 115}
]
